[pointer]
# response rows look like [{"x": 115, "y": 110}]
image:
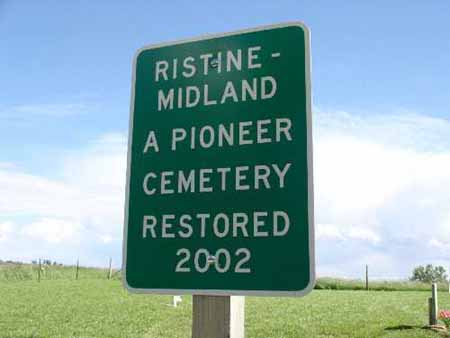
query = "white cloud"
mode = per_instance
[
  {"x": 6, "y": 229},
  {"x": 364, "y": 234},
  {"x": 52, "y": 230},
  {"x": 382, "y": 197},
  {"x": 43, "y": 109},
  {"x": 106, "y": 238},
  {"x": 436, "y": 243},
  {"x": 81, "y": 209},
  {"x": 7, "y": 165},
  {"x": 390, "y": 176},
  {"x": 329, "y": 231},
  {"x": 345, "y": 233}
]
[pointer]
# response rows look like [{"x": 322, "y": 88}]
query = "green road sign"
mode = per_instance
[{"x": 219, "y": 182}]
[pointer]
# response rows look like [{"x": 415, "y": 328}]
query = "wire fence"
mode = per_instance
[{"x": 41, "y": 270}]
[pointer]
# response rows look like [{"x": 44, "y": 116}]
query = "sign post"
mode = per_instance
[
  {"x": 218, "y": 317},
  {"x": 219, "y": 179}
]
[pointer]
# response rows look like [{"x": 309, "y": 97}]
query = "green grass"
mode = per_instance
[
  {"x": 97, "y": 308},
  {"x": 378, "y": 285}
]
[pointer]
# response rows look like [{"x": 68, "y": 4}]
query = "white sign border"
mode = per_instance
[{"x": 210, "y": 292}]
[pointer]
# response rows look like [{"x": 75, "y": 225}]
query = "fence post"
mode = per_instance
[
  {"x": 110, "y": 268},
  {"x": 76, "y": 271},
  {"x": 433, "y": 305},
  {"x": 367, "y": 277},
  {"x": 39, "y": 271}
]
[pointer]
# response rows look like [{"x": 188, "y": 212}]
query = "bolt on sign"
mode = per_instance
[{"x": 219, "y": 181}]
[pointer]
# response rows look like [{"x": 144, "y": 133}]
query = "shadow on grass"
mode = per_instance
[
  {"x": 21, "y": 336},
  {"x": 403, "y": 327},
  {"x": 436, "y": 329}
]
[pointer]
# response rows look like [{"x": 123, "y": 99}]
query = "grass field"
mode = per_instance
[
  {"x": 326, "y": 283},
  {"x": 98, "y": 308}
]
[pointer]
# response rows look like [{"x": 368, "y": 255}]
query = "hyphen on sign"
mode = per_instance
[{"x": 221, "y": 61}]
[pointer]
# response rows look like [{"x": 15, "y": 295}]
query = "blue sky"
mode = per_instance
[
  {"x": 380, "y": 89},
  {"x": 367, "y": 56}
]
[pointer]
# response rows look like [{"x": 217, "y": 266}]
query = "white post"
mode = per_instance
[
  {"x": 218, "y": 317},
  {"x": 237, "y": 320},
  {"x": 176, "y": 300},
  {"x": 433, "y": 304},
  {"x": 448, "y": 280}
]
